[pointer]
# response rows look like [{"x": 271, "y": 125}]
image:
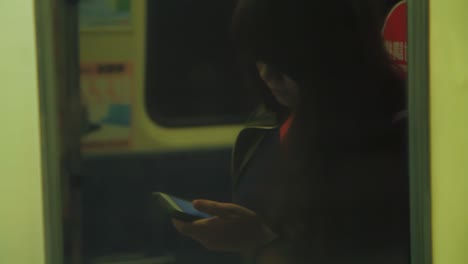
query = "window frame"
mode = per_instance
[{"x": 419, "y": 131}]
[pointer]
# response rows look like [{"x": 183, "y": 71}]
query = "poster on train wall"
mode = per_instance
[
  {"x": 107, "y": 94},
  {"x": 395, "y": 34},
  {"x": 104, "y": 13}
]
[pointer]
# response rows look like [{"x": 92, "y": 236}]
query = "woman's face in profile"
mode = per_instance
[{"x": 283, "y": 88}]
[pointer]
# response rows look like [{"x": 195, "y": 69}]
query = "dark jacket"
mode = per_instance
[
  {"x": 261, "y": 125},
  {"x": 259, "y": 129},
  {"x": 249, "y": 139}
]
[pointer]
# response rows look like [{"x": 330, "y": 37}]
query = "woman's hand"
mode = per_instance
[{"x": 232, "y": 229}]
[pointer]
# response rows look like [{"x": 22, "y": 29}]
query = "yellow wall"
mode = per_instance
[
  {"x": 449, "y": 111},
  {"x": 21, "y": 223}
]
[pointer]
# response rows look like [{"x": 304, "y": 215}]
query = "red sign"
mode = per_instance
[{"x": 395, "y": 34}]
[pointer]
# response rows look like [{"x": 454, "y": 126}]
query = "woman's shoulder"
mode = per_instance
[
  {"x": 262, "y": 117},
  {"x": 260, "y": 123}
]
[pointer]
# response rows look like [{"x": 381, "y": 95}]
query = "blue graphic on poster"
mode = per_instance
[{"x": 98, "y": 13}]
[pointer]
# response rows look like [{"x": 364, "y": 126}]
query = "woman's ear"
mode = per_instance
[
  {"x": 269, "y": 75},
  {"x": 273, "y": 78}
]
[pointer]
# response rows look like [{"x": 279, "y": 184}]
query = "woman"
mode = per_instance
[{"x": 328, "y": 184}]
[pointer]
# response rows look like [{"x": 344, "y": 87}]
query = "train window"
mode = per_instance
[{"x": 192, "y": 78}]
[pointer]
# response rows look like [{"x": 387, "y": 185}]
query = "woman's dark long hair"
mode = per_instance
[{"x": 346, "y": 179}]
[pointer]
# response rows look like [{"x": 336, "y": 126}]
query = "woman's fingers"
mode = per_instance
[
  {"x": 202, "y": 231},
  {"x": 221, "y": 209},
  {"x": 183, "y": 227}
]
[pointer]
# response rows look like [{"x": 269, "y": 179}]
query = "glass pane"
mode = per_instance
[{"x": 193, "y": 77}]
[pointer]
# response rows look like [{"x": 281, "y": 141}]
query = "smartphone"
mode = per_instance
[{"x": 178, "y": 208}]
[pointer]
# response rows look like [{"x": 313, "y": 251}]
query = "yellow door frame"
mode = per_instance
[{"x": 448, "y": 60}]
